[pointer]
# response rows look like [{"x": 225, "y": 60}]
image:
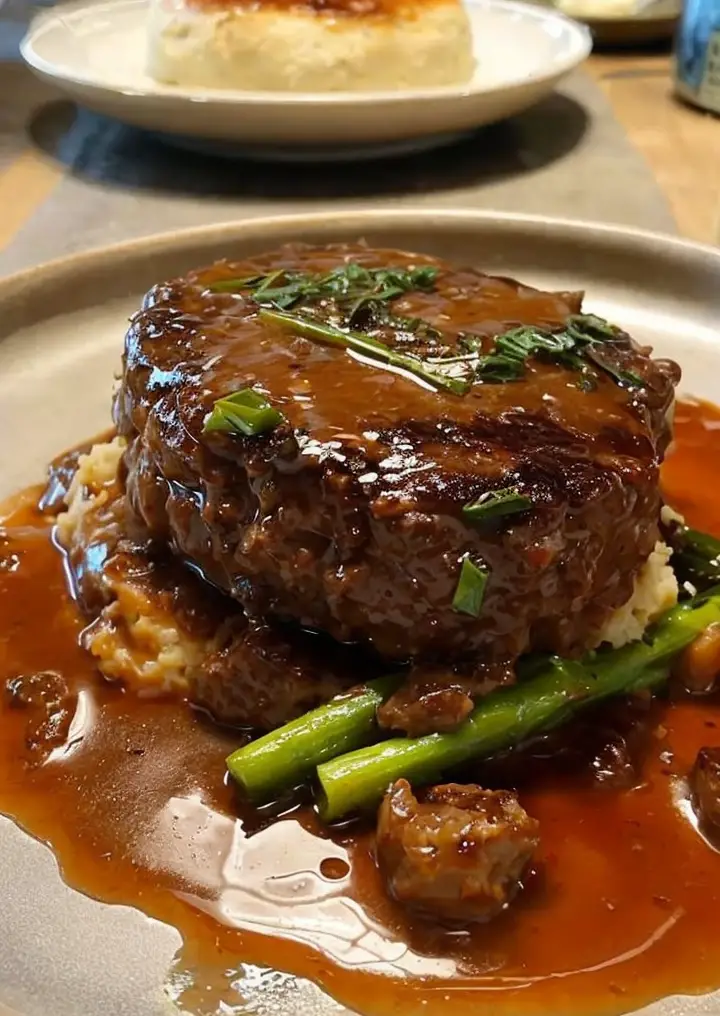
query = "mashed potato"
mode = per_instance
[
  {"x": 140, "y": 640},
  {"x": 299, "y": 49},
  {"x": 138, "y": 637},
  {"x": 137, "y": 642},
  {"x": 656, "y": 590},
  {"x": 92, "y": 488}
]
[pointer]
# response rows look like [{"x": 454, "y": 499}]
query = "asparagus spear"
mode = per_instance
[
  {"x": 286, "y": 756},
  {"x": 357, "y": 781}
]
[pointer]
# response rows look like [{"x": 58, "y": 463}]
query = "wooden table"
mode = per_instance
[
  {"x": 681, "y": 146},
  {"x": 680, "y": 143}
]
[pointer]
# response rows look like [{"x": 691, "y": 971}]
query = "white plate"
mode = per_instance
[
  {"x": 654, "y": 23},
  {"x": 95, "y": 53}
]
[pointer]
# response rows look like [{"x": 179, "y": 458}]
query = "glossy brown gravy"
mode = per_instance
[{"x": 622, "y": 909}]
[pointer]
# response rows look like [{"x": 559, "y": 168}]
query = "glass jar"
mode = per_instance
[{"x": 697, "y": 54}]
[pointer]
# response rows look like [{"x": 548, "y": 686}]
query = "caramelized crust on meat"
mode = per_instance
[
  {"x": 349, "y": 519},
  {"x": 156, "y": 627}
]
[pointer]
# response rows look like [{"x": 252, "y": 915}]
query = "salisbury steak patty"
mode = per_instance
[{"x": 348, "y": 517}]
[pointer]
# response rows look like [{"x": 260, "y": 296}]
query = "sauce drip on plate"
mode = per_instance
[{"x": 621, "y": 909}]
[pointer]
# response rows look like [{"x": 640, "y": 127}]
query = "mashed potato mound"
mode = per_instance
[
  {"x": 138, "y": 637},
  {"x": 138, "y": 643},
  {"x": 656, "y": 590},
  {"x": 298, "y": 49},
  {"x": 92, "y": 488}
]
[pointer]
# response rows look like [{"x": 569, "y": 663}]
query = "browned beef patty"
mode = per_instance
[{"x": 348, "y": 518}]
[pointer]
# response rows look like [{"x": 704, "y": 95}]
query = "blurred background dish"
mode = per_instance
[
  {"x": 318, "y": 46},
  {"x": 625, "y": 23},
  {"x": 95, "y": 53}
]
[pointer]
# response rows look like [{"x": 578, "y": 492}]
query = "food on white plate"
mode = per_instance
[
  {"x": 368, "y": 523},
  {"x": 461, "y": 853},
  {"x": 338, "y": 46},
  {"x": 597, "y": 10}
]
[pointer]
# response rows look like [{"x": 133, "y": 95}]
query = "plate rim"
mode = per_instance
[
  {"x": 670, "y": 11},
  {"x": 353, "y": 220},
  {"x": 579, "y": 34}
]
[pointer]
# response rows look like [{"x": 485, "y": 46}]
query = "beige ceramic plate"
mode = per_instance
[
  {"x": 654, "y": 23},
  {"x": 62, "y": 326},
  {"x": 95, "y": 53}
]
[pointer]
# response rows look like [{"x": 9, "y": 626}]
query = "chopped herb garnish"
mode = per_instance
[
  {"x": 470, "y": 591},
  {"x": 499, "y": 369},
  {"x": 496, "y": 503},
  {"x": 319, "y": 331},
  {"x": 344, "y": 305},
  {"x": 628, "y": 378},
  {"x": 590, "y": 327},
  {"x": 234, "y": 285},
  {"x": 244, "y": 412},
  {"x": 512, "y": 350},
  {"x": 349, "y": 286},
  {"x": 581, "y": 340}
]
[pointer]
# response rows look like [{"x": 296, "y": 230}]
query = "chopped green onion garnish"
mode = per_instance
[
  {"x": 624, "y": 377},
  {"x": 512, "y": 350},
  {"x": 244, "y": 412},
  {"x": 628, "y": 378},
  {"x": 582, "y": 339},
  {"x": 269, "y": 280},
  {"x": 470, "y": 591},
  {"x": 319, "y": 331},
  {"x": 350, "y": 283},
  {"x": 233, "y": 285},
  {"x": 495, "y": 503},
  {"x": 587, "y": 327},
  {"x": 357, "y": 300}
]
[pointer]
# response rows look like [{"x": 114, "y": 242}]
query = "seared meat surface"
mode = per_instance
[
  {"x": 264, "y": 676},
  {"x": 459, "y": 855},
  {"x": 144, "y": 602},
  {"x": 348, "y": 518},
  {"x": 705, "y": 787}
]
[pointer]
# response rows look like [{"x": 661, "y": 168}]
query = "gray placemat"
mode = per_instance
[{"x": 568, "y": 156}]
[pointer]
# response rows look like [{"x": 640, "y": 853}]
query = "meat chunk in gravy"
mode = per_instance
[
  {"x": 427, "y": 702},
  {"x": 459, "y": 855},
  {"x": 705, "y": 786},
  {"x": 49, "y": 706}
]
